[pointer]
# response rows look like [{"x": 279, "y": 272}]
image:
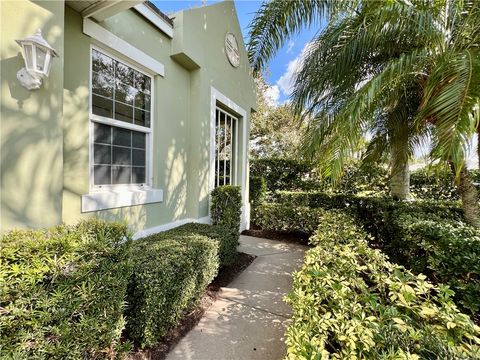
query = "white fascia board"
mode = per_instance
[
  {"x": 106, "y": 38},
  {"x": 155, "y": 19},
  {"x": 110, "y": 199}
]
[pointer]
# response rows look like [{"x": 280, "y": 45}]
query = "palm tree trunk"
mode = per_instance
[
  {"x": 400, "y": 180},
  {"x": 400, "y": 173},
  {"x": 469, "y": 197}
]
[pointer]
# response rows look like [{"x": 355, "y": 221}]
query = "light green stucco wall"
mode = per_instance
[
  {"x": 30, "y": 122},
  {"x": 181, "y": 121}
]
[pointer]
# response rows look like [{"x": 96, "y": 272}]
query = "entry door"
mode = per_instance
[{"x": 226, "y": 148}]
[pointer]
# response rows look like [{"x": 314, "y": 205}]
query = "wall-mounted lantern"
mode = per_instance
[{"x": 37, "y": 54}]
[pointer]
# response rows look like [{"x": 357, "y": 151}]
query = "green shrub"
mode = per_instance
[
  {"x": 257, "y": 190},
  {"x": 62, "y": 291},
  {"x": 433, "y": 184},
  {"x": 171, "y": 271},
  {"x": 350, "y": 302},
  {"x": 447, "y": 250},
  {"x": 285, "y": 174},
  {"x": 287, "y": 218},
  {"x": 226, "y": 206},
  {"x": 365, "y": 178},
  {"x": 228, "y": 242}
]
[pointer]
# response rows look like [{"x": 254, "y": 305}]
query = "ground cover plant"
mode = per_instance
[
  {"x": 62, "y": 291},
  {"x": 349, "y": 301}
]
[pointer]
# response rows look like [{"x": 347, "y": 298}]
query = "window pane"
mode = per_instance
[
  {"x": 41, "y": 54},
  {"x": 101, "y": 154},
  {"x": 142, "y": 101},
  {"x": 142, "y": 118},
  {"x": 123, "y": 112},
  {"x": 121, "y": 174},
  {"x": 138, "y": 175},
  {"x": 138, "y": 157},
  {"x": 102, "y": 106},
  {"x": 28, "y": 54},
  {"x": 102, "y": 134},
  {"x": 142, "y": 82},
  {"x": 102, "y": 63},
  {"x": 122, "y": 137},
  {"x": 101, "y": 175},
  {"x": 124, "y": 73},
  {"x": 102, "y": 85},
  {"x": 138, "y": 139},
  {"x": 121, "y": 156},
  {"x": 124, "y": 93}
]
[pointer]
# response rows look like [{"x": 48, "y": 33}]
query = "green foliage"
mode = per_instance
[
  {"x": 433, "y": 184},
  {"x": 368, "y": 178},
  {"x": 226, "y": 206},
  {"x": 287, "y": 218},
  {"x": 171, "y": 272},
  {"x": 350, "y": 302},
  {"x": 257, "y": 190},
  {"x": 447, "y": 250},
  {"x": 62, "y": 291},
  {"x": 274, "y": 129},
  {"x": 284, "y": 174},
  {"x": 227, "y": 241}
]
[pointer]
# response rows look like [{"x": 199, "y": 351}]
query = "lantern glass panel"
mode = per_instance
[
  {"x": 48, "y": 62},
  {"x": 41, "y": 56},
  {"x": 28, "y": 56}
]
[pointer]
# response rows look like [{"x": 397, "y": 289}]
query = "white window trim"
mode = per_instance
[
  {"x": 101, "y": 197},
  {"x": 217, "y": 96},
  {"x": 113, "y": 42}
]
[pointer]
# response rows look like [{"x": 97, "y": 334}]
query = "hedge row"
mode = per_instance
[
  {"x": 171, "y": 272},
  {"x": 62, "y": 291},
  {"x": 425, "y": 236},
  {"x": 350, "y": 302}
]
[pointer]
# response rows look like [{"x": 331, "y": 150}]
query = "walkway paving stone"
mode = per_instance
[{"x": 249, "y": 318}]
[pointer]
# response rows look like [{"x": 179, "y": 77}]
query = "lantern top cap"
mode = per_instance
[{"x": 37, "y": 39}]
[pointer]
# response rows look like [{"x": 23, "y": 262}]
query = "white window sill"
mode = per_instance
[{"x": 111, "y": 199}]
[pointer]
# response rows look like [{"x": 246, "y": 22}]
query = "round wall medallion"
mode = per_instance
[{"x": 231, "y": 49}]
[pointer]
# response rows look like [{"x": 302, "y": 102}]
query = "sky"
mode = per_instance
[{"x": 281, "y": 67}]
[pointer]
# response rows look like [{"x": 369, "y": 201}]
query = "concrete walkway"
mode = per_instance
[{"x": 249, "y": 319}]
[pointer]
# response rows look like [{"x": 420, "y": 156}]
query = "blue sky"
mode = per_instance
[{"x": 281, "y": 67}]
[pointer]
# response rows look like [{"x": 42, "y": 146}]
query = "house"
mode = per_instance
[{"x": 140, "y": 116}]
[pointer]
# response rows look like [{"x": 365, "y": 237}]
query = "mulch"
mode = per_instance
[{"x": 225, "y": 276}]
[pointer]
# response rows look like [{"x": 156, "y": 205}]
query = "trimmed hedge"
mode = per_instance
[
  {"x": 287, "y": 218},
  {"x": 350, "y": 302},
  {"x": 425, "y": 236},
  {"x": 227, "y": 241},
  {"x": 171, "y": 271},
  {"x": 257, "y": 190},
  {"x": 62, "y": 291},
  {"x": 226, "y": 206}
]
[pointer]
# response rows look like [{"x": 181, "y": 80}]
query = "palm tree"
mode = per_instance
[{"x": 401, "y": 70}]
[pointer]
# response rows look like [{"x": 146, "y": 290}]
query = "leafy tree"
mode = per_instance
[
  {"x": 274, "y": 130},
  {"x": 402, "y": 70}
]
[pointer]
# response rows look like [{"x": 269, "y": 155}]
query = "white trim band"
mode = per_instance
[
  {"x": 111, "y": 199},
  {"x": 155, "y": 19},
  {"x": 105, "y": 37},
  {"x": 168, "y": 226}
]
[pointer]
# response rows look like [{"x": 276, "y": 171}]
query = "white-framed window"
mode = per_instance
[
  {"x": 226, "y": 147},
  {"x": 121, "y": 103}
]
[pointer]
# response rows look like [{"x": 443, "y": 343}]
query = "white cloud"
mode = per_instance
[
  {"x": 285, "y": 82},
  {"x": 290, "y": 46},
  {"x": 272, "y": 95}
]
